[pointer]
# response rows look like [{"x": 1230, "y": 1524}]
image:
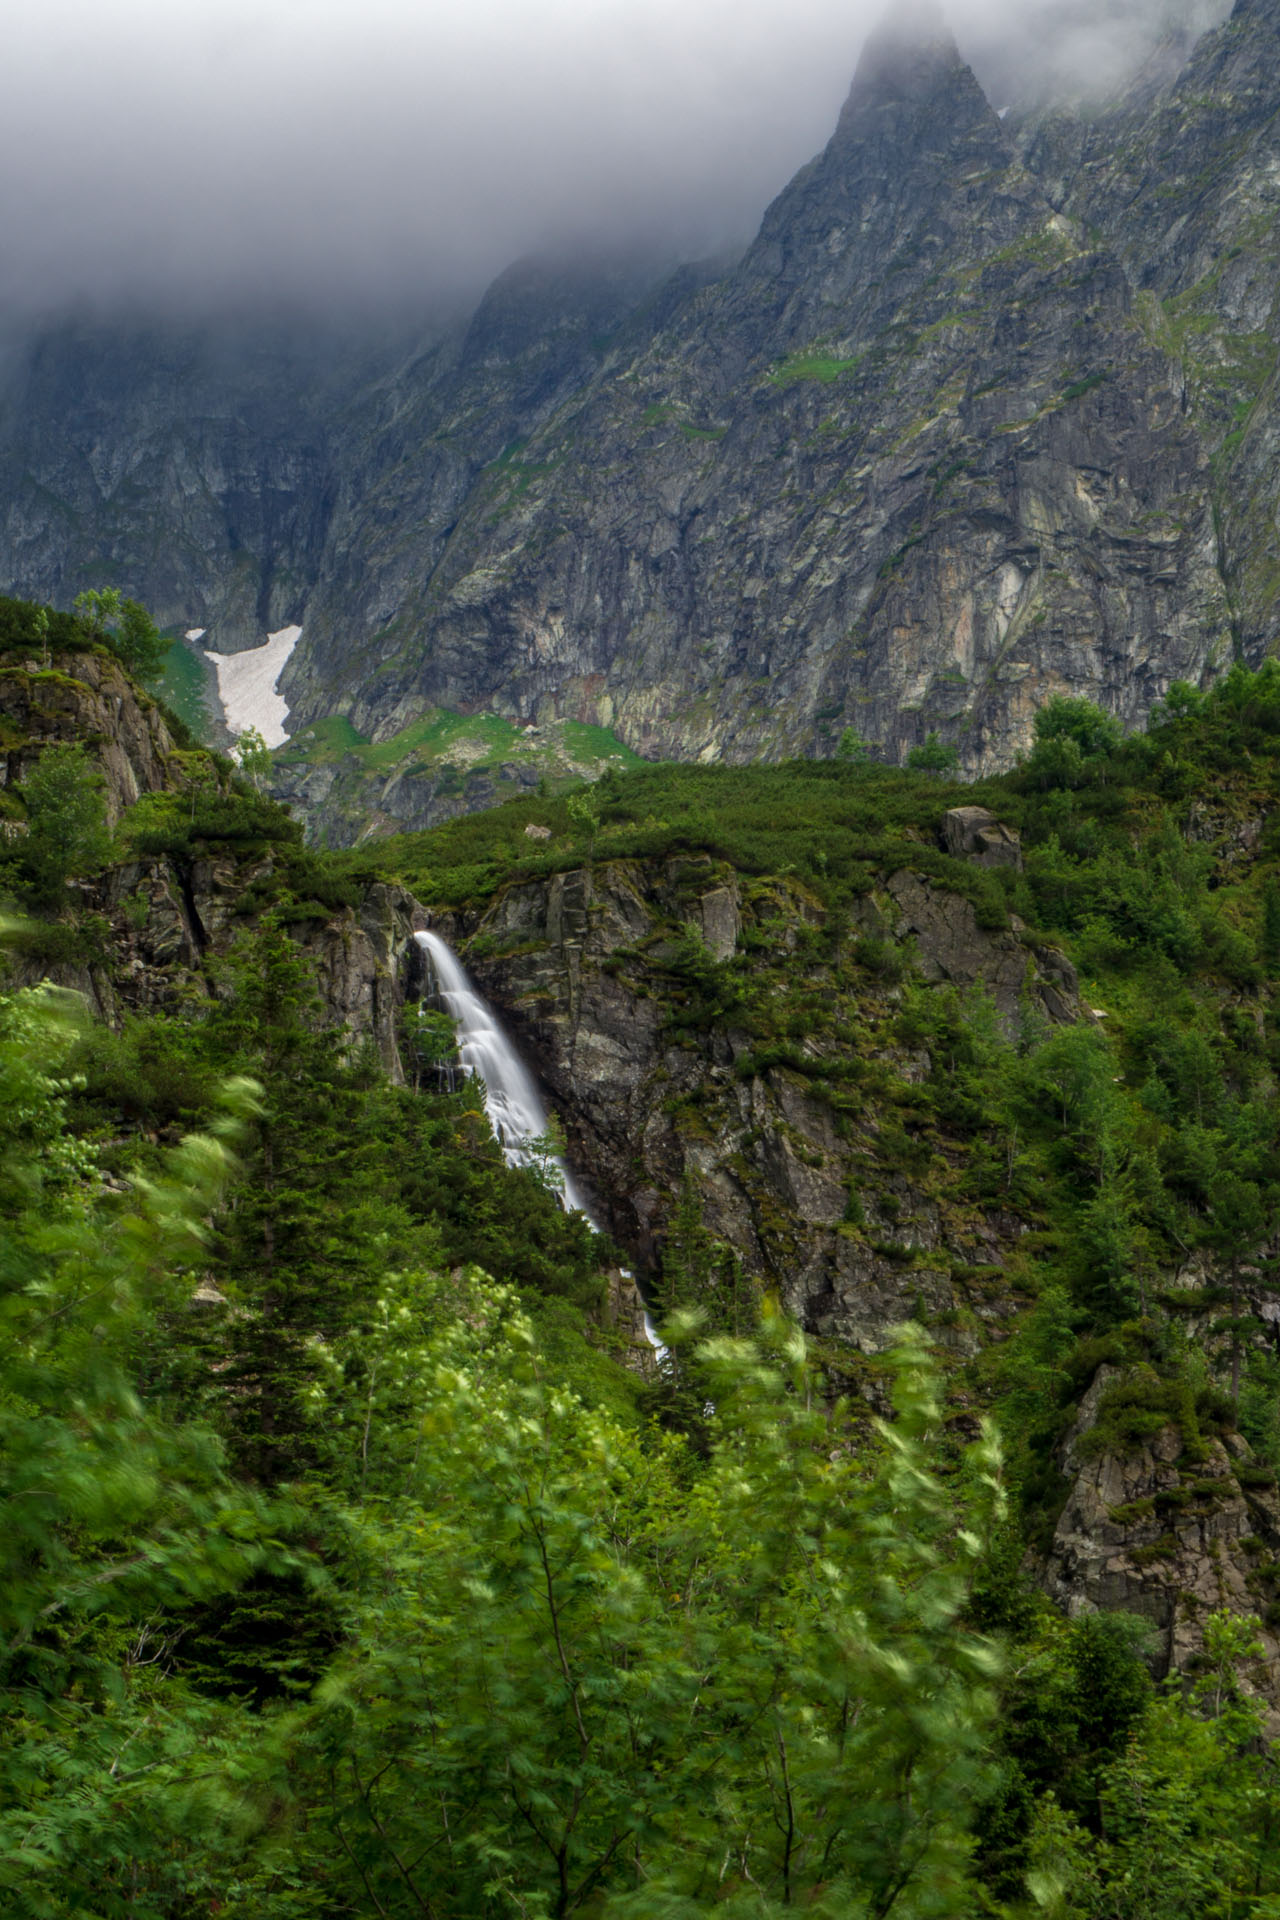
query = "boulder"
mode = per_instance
[{"x": 971, "y": 833}]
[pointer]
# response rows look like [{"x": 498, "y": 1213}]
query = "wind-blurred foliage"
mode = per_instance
[
  {"x": 345, "y": 1573},
  {"x": 559, "y": 1659}
]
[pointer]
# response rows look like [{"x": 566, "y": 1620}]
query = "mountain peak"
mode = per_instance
[
  {"x": 919, "y": 169},
  {"x": 904, "y": 58}
]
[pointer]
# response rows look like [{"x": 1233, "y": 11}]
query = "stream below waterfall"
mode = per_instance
[{"x": 512, "y": 1099}]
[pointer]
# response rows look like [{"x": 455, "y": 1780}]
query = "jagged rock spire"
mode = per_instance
[
  {"x": 911, "y": 72},
  {"x": 903, "y": 56},
  {"x": 895, "y": 183}
]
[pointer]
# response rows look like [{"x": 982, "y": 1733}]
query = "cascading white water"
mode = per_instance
[{"x": 511, "y": 1097}]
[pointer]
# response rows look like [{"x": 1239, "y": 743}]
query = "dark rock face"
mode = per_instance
[
  {"x": 1142, "y": 1532},
  {"x": 191, "y": 468},
  {"x": 644, "y": 1106},
  {"x": 987, "y": 411}
]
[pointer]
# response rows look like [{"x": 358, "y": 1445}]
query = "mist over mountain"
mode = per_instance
[
  {"x": 985, "y": 411},
  {"x": 199, "y": 159}
]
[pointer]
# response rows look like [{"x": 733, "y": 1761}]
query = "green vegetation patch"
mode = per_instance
[
  {"x": 812, "y": 366},
  {"x": 389, "y": 1551},
  {"x": 429, "y": 738},
  {"x": 184, "y": 686},
  {"x": 587, "y": 742},
  {"x": 826, "y": 822},
  {"x": 323, "y": 742}
]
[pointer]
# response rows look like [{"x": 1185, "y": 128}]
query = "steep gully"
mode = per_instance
[{"x": 512, "y": 1101}]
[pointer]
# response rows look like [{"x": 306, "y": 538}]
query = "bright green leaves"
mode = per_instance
[
  {"x": 253, "y": 756},
  {"x": 66, "y": 822},
  {"x": 111, "y": 1515},
  {"x": 589, "y": 1671},
  {"x": 1073, "y": 741},
  {"x": 935, "y": 757},
  {"x": 126, "y": 627},
  {"x": 1189, "y": 1809}
]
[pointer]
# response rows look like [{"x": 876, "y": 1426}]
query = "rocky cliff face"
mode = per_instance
[
  {"x": 914, "y": 464},
  {"x": 166, "y": 919},
  {"x": 85, "y": 698},
  {"x": 157, "y": 922},
  {"x": 193, "y": 467},
  {"x": 233, "y": 475},
  {"x": 986, "y": 412},
  {"x": 795, "y": 1119},
  {"x": 1187, "y": 187},
  {"x": 803, "y": 1170},
  {"x": 1170, "y": 1539}
]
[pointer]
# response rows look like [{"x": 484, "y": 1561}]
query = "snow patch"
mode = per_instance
[
  {"x": 247, "y": 686},
  {"x": 195, "y": 633}
]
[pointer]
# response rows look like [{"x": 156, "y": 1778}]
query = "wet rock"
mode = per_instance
[{"x": 623, "y": 1316}]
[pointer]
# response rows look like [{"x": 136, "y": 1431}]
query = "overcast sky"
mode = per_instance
[{"x": 208, "y": 152}]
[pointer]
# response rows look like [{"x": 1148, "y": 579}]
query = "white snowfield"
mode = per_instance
[
  {"x": 195, "y": 633},
  {"x": 247, "y": 686}
]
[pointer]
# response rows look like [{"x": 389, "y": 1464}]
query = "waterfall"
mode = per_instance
[{"x": 511, "y": 1097}]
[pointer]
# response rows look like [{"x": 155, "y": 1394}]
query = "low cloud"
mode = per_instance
[{"x": 217, "y": 154}]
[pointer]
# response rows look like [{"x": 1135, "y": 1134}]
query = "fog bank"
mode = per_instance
[{"x": 358, "y": 156}]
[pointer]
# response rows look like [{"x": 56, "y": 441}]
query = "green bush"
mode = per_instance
[
  {"x": 1134, "y": 1410},
  {"x": 67, "y": 837}
]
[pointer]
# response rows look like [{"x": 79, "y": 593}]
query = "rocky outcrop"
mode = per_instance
[
  {"x": 1170, "y": 1534},
  {"x": 85, "y": 698},
  {"x": 952, "y": 946},
  {"x": 165, "y": 924},
  {"x": 622, "y": 1322},
  {"x": 231, "y": 475},
  {"x": 802, "y": 1193},
  {"x": 162, "y": 921},
  {"x": 971, "y": 833}
]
